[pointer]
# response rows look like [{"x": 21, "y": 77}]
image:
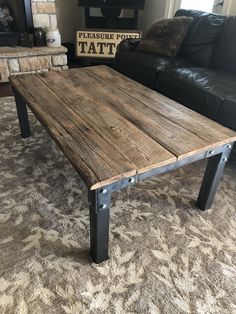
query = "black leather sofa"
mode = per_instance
[{"x": 203, "y": 74}]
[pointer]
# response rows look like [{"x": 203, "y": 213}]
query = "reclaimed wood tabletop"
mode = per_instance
[{"x": 111, "y": 127}]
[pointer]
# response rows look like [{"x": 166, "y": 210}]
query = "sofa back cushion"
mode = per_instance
[
  {"x": 224, "y": 55},
  {"x": 202, "y": 35}
]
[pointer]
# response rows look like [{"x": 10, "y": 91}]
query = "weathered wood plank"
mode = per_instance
[
  {"x": 139, "y": 148},
  {"x": 107, "y": 143},
  {"x": 173, "y": 137},
  {"x": 97, "y": 162},
  {"x": 194, "y": 122}
]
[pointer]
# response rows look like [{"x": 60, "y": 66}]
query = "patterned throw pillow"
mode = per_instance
[{"x": 165, "y": 36}]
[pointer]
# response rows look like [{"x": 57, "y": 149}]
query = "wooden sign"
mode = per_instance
[{"x": 101, "y": 44}]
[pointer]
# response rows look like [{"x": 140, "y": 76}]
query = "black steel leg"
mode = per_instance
[
  {"x": 99, "y": 201},
  {"x": 212, "y": 177},
  {"x": 22, "y": 116}
]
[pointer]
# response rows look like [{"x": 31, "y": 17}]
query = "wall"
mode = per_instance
[
  {"x": 70, "y": 18},
  {"x": 232, "y": 8},
  {"x": 154, "y": 9}
]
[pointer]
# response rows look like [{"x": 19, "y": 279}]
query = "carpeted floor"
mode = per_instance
[{"x": 167, "y": 257}]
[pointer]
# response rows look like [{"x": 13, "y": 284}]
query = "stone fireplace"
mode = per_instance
[{"x": 22, "y": 60}]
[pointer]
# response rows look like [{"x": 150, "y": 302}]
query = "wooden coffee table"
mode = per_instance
[{"x": 117, "y": 132}]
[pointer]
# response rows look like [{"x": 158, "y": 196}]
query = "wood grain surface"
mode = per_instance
[{"x": 111, "y": 127}]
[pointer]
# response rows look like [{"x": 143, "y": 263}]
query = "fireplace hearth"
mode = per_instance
[
  {"x": 15, "y": 60},
  {"x": 15, "y": 19}
]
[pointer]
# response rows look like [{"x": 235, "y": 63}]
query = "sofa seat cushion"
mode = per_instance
[
  {"x": 209, "y": 92},
  {"x": 144, "y": 67}
]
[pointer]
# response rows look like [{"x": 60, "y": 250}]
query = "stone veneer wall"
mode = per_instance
[
  {"x": 20, "y": 60},
  {"x": 44, "y": 13}
]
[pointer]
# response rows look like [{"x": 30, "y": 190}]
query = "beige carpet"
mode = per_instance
[{"x": 166, "y": 255}]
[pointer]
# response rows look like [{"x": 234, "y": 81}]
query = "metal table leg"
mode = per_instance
[
  {"x": 22, "y": 116},
  {"x": 212, "y": 177},
  {"x": 99, "y": 202}
]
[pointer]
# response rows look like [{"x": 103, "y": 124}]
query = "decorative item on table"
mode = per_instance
[
  {"x": 53, "y": 38},
  {"x": 39, "y": 37}
]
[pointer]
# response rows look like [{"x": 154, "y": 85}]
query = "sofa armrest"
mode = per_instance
[{"x": 128, "y": 44}]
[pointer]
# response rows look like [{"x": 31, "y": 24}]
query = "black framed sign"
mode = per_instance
[{"x": 101, "y": 43}]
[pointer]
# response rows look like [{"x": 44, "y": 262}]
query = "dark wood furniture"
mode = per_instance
[
  {"x": 117, "y": 132},
  {"x": 111, "y": 10}
]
